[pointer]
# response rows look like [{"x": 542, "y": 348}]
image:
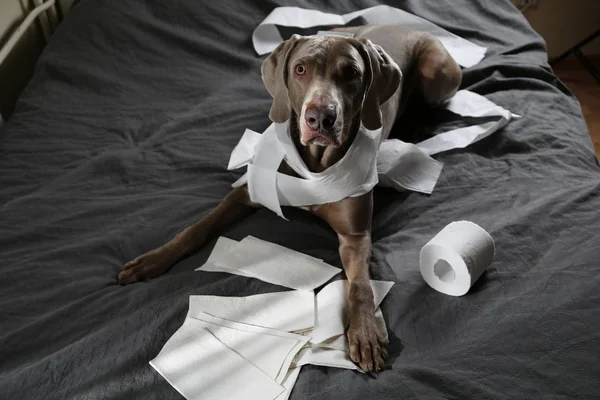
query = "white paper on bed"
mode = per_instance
[
  {"x": 223, "y": 246},
  {"x": 262, "y": 172},
  {"x": 316, "y": 355},
  {"x": 272, "y": 351},
  {"x": 401, "y": 165},
  {"x": 290, "y": 311},
  {"x": 266, "y": 37},
  {"x": 269, "y": 262},
  {"x": 468, "y": 104},
  {"x": 404, "y": 166},
  {"x": 201, "y": 367},
  {"x": 246, "y": 150},
  {"x": 331, "y": 315},
  {"x": 289, "y": 382}
]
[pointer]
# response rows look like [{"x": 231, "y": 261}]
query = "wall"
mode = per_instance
[
  {"x": 18, "y": 67},
  {"x": 563, "y": 23}
]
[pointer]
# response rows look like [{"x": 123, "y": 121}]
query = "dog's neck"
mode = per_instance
[{"x": 319, "y": 158}]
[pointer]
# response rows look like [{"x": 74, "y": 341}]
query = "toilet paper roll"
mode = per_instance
[{"x": 456, "y": 257}]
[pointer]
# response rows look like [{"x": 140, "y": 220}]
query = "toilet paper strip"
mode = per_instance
[
  {"x": 262, "y": 172},
  {"x": 356, "y": 169},
  {"x": 244, "y": 151},
  {"x": 397, "y": 164},
  {"x": 353, "y": 175},
  {"x": 201, "y": 367},
  {"x": 339, "y": 342},
  {"x": 223, "y": 246},
  {"x": 404, "y": 166},
  {"x": 270, "y": 350},
  {"x": 290, "y": 311},
  {"x": 269, "y": 262},
  {"x": 453, "y": 260},
  {"x": 468, "y": 104},
  {"x": 289, "y": 382},
  {"x": 331, "y": 317},
  {"x": 316, "y": 355},
  {"x": 266, "y": 37}
]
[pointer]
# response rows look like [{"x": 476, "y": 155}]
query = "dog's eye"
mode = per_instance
[
  {"x": 349, "y": 72},
  {"x": 300, "y": 70}
]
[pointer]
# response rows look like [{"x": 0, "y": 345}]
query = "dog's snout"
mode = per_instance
[{"x": 320, "y": 117}]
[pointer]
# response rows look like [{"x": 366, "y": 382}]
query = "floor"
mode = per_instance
[{"x": 587, "y": 90}]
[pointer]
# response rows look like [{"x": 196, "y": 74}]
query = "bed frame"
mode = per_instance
[{"x": 47, "y": 12}]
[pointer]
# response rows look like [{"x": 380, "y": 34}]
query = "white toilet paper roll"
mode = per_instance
[{"x": 456, "y": 257}]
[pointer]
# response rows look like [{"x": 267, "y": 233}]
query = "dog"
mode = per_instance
[{"x": 329, "y": 88}]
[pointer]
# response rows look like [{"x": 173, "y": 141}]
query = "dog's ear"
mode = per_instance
[
  {"x": 274, "y": 71},
  {"x": 382, "y": 77}
]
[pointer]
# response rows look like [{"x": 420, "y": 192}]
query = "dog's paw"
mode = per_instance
[
  {"x": 368, "y": 347},
  {"x": 146, "y": 266}
]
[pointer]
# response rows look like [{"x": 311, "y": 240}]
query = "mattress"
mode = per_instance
[{"x": 122, "y": 138}]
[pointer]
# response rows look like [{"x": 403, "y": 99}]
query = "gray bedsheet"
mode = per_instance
[{"x": 123, "y": 136}]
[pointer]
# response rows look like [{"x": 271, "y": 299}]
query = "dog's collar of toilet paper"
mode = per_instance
[
  {"x": 403, "y": 166},
  {"x": 353, "y": 175}
]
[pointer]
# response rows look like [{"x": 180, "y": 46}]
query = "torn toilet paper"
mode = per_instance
[
  {"x": 270, "y": 350},
  {"x": 255, "y": 352},
  {"x": 266, "y": 37},
  {"x": 316, "y": 355},
  {"x": 289, "y": 382},
  {"x": 330, "y": 311},
  {"x": 468, "y": 104},
  {"x": 291, "y": 311},
  {"x": 223, "y": 246},
  {"x": 195, "y": 363},
  {"x": 269, "y": 262},
  {"x": 404, "y": 166},
  {"x": 258, "y": 335}
]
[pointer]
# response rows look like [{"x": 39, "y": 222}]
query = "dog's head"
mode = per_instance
[{"x": 327, "y": 82}]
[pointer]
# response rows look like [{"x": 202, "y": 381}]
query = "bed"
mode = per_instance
[{"x": 122, "y": 138}]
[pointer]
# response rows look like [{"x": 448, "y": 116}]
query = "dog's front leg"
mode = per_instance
[
  {"x": 351, "y": 219},
  {"x": 233, "y": 207},
  {"x": 368, "y": 346}
]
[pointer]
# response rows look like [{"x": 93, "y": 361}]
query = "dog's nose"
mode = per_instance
[{"x": 320, "y": 118}]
